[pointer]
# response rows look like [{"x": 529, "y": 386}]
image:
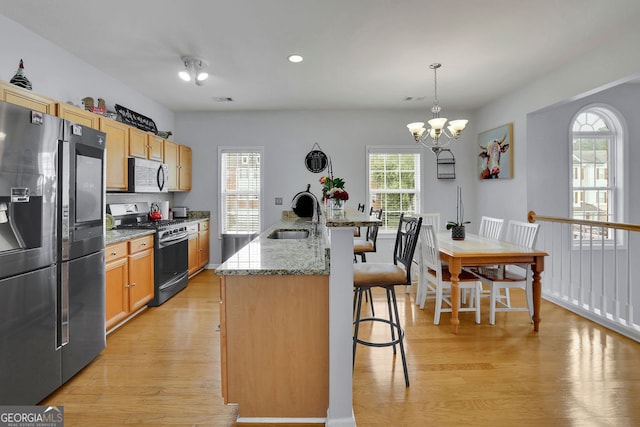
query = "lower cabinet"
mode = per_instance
[
  {"x": 129, "y": 278},
  {"x": 198, "y": 246}
]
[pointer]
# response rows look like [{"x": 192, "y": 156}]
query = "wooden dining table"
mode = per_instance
[{"x": 475, "y": 251}]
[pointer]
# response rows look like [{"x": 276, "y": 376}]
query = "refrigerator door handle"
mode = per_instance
[
  {"x": 65, "y": 172},
  {"x": 64, "y": 304}
]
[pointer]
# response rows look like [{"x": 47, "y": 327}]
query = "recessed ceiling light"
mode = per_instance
[{"x": 295, "y": 58}]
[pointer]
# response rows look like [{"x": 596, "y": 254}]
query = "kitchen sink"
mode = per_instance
[{"x": 288, "y": 234}]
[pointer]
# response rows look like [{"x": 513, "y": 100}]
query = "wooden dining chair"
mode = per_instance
[
  {"x": 437, "y": 277},
  {"x": 491, "y": 228},
  {"x": 427, "y": 219},
  {"x": 367, "y": 275},
  {"x": 509, "y": 277}
]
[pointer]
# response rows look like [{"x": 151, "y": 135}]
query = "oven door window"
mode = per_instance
[
  {"x": 171, "y": 260},
  {"x": 88, "y": 189}
]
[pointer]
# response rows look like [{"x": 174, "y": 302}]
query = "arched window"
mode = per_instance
[{"x": 597, "y": 140}]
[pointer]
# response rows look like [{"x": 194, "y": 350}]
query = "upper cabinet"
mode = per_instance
[
  {"x": 178, "y": 158},
  {"x": 78, "y": 115},
  {"x": 123, "y": 141},
  {"x": 145, "y": 145},
  {"x": 155, "y": 148},
  {"x": 184, "y": 169},
  {"x": 117, "y": 153},
  {"x": 25, "y": 98}
]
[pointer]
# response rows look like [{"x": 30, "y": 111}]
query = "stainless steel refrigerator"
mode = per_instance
[{"x": 52, "y": 265}]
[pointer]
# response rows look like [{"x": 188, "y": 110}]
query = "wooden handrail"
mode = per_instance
[{"x": 533, "y": 217}]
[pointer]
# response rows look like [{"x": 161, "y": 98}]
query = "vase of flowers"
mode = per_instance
[
  {"x": 333, "y": 192},
  {"x": 457, "y": 227}
]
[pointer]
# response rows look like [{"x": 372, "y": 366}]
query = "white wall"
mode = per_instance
[
  {"x": 287, "y": 137},
  {"x": 56, "y": 73},
  {"x": 600, "y": 68}
]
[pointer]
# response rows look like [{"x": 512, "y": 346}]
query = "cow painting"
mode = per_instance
[{"x": 490, "y": 154}]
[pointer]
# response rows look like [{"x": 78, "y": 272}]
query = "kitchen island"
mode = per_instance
[{"x": 286, "y": 323}]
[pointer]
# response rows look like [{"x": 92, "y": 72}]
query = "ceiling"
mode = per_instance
[{"x": 357, "y": 53}]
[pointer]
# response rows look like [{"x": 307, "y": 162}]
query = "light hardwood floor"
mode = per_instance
[{"x": 162, "y": 368}]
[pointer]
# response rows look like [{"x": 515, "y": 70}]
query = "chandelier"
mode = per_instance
[{"x": 436, "y": 137}]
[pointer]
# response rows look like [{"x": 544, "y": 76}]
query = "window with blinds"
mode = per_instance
[
  {"x": 240, "y": 185},
  {"x": 394, "y": 183}
]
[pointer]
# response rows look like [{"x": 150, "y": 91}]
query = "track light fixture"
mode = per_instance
[{"x": 195, "y": 70}]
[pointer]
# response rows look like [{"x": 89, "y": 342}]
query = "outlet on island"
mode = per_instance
[{"x": 278, "y": 201}]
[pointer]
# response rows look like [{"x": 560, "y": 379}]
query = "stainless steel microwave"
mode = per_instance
[{"x": 148, "y": 176}]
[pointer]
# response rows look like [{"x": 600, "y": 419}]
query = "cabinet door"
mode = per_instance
[
  {"x": 140, "y": 279},
  {"x": 137, "y": 143},
  {"x": 184, "y": 179},
  {"x": 117, "y": 291},
  {"x": 155, "y": 147},
  {"x": 19, "y": 96},
  {"x": 203, "y": 244},
  {"x": 171, "y": 159},
  {"x": 78, "y": 115},
  {"x": 193, "y": 253},
  {"x": 117, "y": 153}
]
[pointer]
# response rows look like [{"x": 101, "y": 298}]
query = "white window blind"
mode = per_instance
[
  {"x": 240, "y": 189},
  {"x": 394, "y": 183}
]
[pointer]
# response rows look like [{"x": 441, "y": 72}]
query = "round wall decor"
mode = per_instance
[{"x": 316, "y": 160}]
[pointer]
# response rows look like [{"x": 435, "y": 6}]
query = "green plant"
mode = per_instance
[{"x": 459, "y": 222}]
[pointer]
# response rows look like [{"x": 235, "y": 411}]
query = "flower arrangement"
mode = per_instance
[
  {"x": 333, "y": 188},
  {"x": 333, "y": 191}
]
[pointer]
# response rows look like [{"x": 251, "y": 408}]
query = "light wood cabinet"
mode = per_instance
[
  {"x": 155, "y": 147},
  {"x": 25, "y": 98},
  {"x": 203, "y": 244},
  {"x": 198, "y": 246},
  {"x": 258, "y": 343},
  {"x": 193, "y": 252},
  {"x": 78, "y": 115},
  {"x": 178, "y": 159},
  {"x": 129, "y": 283},
  {"x": 171, "y": 153},
  {"x": 145, "y": 145},
  {"x": 137, "y": 143},
  {"x": 184, "y": 169},
  {"x": 117, "y": 153}
]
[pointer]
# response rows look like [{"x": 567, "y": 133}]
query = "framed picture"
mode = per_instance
[{"x": 495, "y": 155}]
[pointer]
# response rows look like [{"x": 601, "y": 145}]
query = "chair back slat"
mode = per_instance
[
  {"x": 372, "y": 230},
  {"x": 406, "y": 242},
  {"x": 430, "y": 250},
  {"x": 522, "y": 233},
  {"x": 431, "y": 219},
  {"x": 491, "y": 227}
]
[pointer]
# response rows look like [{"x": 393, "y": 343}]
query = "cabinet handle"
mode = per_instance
[
  {"x": 133, "y": 284},
  {"x": 126, "y": 286},
  {"x": 144, "y": 243},
  {"x": 114, "y": 253}
]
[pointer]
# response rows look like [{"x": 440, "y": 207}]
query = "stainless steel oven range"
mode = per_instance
[{"x": 170, "y": 244}]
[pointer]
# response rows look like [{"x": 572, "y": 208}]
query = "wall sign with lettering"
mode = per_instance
[{"x": 135, "y": 119}]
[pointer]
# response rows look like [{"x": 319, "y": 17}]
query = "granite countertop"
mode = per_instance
[
  {"x": 309, "y": 256},
  {"x": 116, "y": 236}
]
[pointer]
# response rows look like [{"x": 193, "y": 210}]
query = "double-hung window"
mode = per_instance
[
  {"x": 596, "y": 136},
  {"x": 240, "y": 189},
  {"x": 393, "y": 176}
]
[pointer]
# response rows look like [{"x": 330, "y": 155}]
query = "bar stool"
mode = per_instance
[{"x": 367, "y": 275}]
